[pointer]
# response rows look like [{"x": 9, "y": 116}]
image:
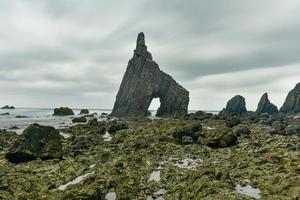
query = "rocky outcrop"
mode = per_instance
[
  {"x": 63, "y": 111},
  {"x": 292, "y": 101},
  {"x": 143, "y": 81},
  {"x": 84, "y": 112},
  {"x": 36, "y": 142},
  {"x": 8, "y": 107},
  {"x": 265, "y": 106},
  {"x": 236, "y": 106}
]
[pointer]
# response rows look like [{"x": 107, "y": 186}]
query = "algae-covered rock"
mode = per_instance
[
  {"x": 36, "y": 142},
  {"x": 232, "y": 120},
  {"x": 63, "y": 111},
  {"x": 192, "y": 130},
  {"x": 116, "y": 125},
  {"x": 221, "y": 136},
  {"x": 79, "y": 120}
]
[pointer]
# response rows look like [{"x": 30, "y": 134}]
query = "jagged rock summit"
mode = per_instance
[
  {"x": 143, "y": 81},
  {"x": 265, "y": 106},
  {"x": 292, "y": 101},
  {"x": 236, "y": 106}
]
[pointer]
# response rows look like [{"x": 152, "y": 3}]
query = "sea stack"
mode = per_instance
[
  {"x": 292, "y": 101},
  {"x": 265, "y": 106},
  {"x": 235, "y": 106},
  {"x": 143, "y": 81}
]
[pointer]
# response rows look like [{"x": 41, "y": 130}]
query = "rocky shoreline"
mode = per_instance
[{"x": 217, "y": 165}]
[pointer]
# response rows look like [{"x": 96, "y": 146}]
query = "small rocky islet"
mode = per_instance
[{"x": 237, "y": 154}]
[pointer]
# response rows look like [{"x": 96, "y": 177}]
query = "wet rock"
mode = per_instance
[
  {"x": 236, "y": 105},
  {"x": 8, "y": 107},
  {"x": 79, "y": 120},
  {"x": 143, "y": 81},
  {"x": 4, "y": 113},
  {"x": 192, "y": 130},
  {"x": 36, "y": 142},
  {"x": 292, "y": 101},
  {"x": 117, "y": 125},
  {"x": 220, "y": 137},
  {"x": 63, "y": 111},
  {"x": 84, "y": 112},
  {"x": 265, "y": 106}
]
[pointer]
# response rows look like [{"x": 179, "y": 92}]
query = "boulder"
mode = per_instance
[
  {"x": 116, "y": 125},
  {"x": 63, "y": 111},
  {"x": 8, "y": 107},
  {"x": 84, "y": 112},
  {"x": 36, "y": 142},
  {"x": 192, "y": 130},
  {"x": 143, "y": 81},
  {"x": 292, "y": 101},
  {"x": 219, "y": 137},
  {"x": 235, "y": 105},
  {"x": 79, "y": 120},
  {"x": 265, "y": 106},
  {"x": 200, "y": 115}
]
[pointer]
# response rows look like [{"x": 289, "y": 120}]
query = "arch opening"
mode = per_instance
[{"x": 154, "y": 106}]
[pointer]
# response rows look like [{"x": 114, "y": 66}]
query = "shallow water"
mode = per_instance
[
  {"x": 154, "y": 176},
  {"x": 75, "y": 181},
  {"x": 248, "y": 190},
  {"x": 107, "y": 136}
]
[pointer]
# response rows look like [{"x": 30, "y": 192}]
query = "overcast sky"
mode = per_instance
[{"x": 75, "y": 52}]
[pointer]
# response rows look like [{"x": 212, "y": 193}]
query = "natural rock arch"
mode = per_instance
[{"x": 143, "y": 81}]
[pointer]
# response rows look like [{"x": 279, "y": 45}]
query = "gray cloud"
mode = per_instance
[{"x": 72, "y": 52}]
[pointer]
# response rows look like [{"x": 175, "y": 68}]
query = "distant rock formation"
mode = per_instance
[
  {"x": 63, "y": 111},
  {"x": 8, "y": 107},
  {"x": 236, "y": 106},
  {"x": 84, "y": 112},
  {"x": 265, "y": 106},
  {"x": 36, "y": 142},
  {"x": 292, "y": 101},
  {"x": 143, "y": 81}
]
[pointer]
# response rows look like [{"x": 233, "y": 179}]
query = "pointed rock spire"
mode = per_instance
[
  {"x": 292, "y": 101},
  {"x": 141, "y": 48},
  {"x": 265, "y": 106}
]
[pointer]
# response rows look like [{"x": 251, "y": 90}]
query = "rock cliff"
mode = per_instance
[
  {"x": 292, "y": 101},
  {"x": 143, "y": 81}
]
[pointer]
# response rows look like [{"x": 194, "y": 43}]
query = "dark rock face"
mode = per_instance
[
  {"x": 292, "y": 101},
  {"x": 36, "y": 142},
  {"x": 84, "y": 112},
  {"x": 265, "y": 106},
  {"x": 63, "y": 111},
  {"x": 236, "y": 105},
  {"x": 8, "y": 107},
  {"x": 143, "y": 81}
]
